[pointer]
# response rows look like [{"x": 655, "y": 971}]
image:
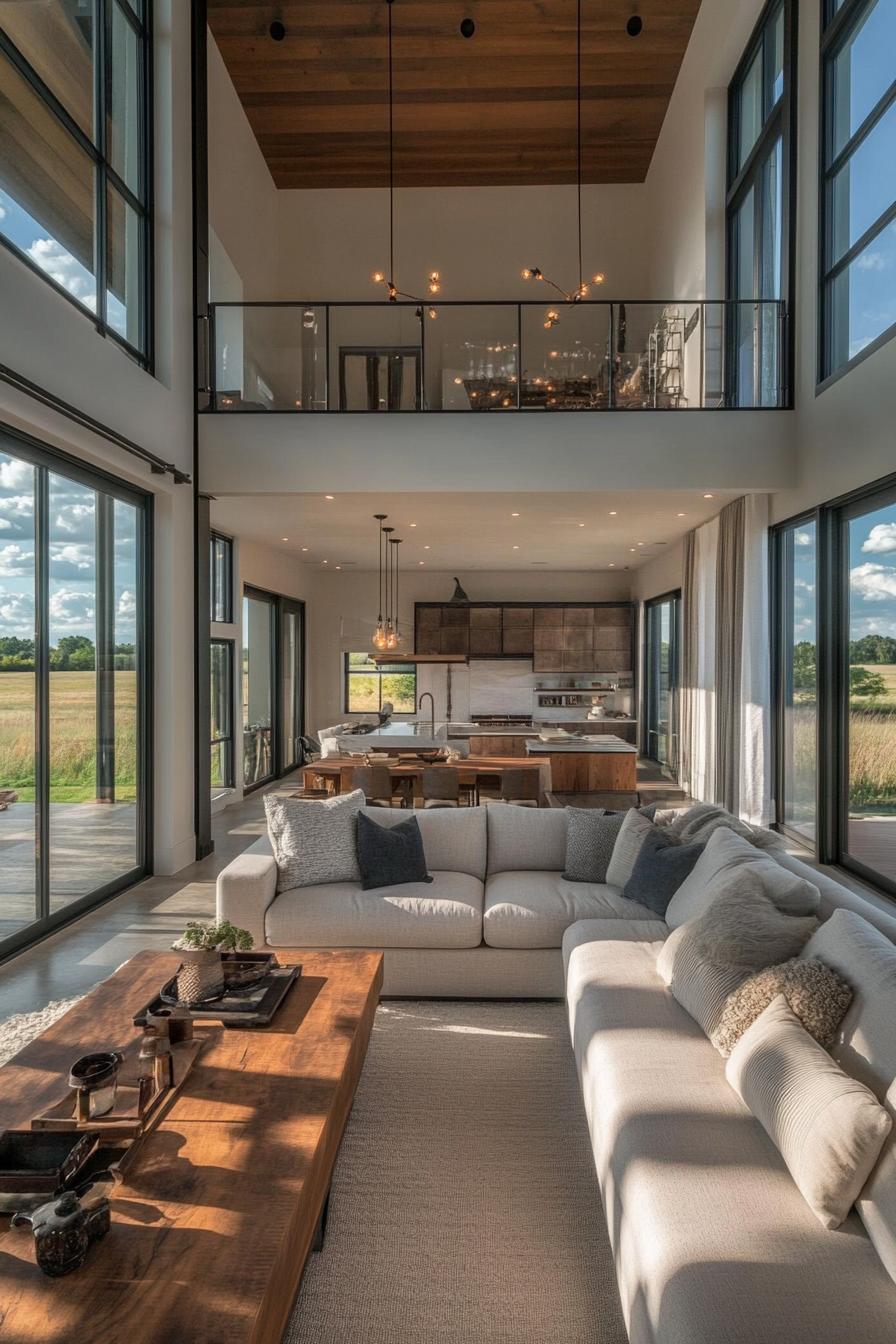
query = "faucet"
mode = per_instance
[{"x": 432, "y": 707}]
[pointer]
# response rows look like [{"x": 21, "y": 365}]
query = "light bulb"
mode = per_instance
[
  {"x": 434, "y": 287},
  {"x": 599, "y": 278},
  {"x": 378, "y": 277},
  {"x": 526, "y": 273},
  {"x": 433, "y": 313},
  {"x": 434, "y": 275}
]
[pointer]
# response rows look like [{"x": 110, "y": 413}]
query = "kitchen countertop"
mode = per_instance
[{"x": 607, "y": 744}]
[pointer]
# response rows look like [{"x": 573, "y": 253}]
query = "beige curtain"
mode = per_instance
[{"x": 729, "y": 636}]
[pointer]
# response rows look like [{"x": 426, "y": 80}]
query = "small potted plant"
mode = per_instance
[{"x": 202, "y": 974}]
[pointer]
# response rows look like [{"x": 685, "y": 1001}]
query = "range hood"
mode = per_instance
[{"x": 403, "y": 656}]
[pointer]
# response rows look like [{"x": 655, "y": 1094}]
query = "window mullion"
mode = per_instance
[{"x": 872, "y": 232}]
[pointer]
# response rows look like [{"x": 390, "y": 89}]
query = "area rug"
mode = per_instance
[
  {"x": 465, "y": 1208},
  {"x": 18, "y": 1030}
]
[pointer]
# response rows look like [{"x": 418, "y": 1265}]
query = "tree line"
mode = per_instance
[
  {"x": 73, "y": 653},
  {"x": 879, "y": 649}
]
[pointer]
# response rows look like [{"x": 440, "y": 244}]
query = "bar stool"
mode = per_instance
[
  {"x": 520, "y": 787},
  {"x": 440, "y": 787},
  {"x": 379, "y": 788}
]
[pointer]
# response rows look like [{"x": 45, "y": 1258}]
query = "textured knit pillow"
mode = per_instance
[
  {"x": 815, "y": 994},
  {"x": 389, "y": 856},
  {"x": 660, "y": 868},
  {"x": 590, "y": 836},
  {"x": 743, "y": 931},
  {"x": 829, "y": 1128},
  {"x": 314, "y": 842}
]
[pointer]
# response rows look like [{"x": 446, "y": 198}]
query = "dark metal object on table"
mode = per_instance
[
  {"x": 36, "y": 1166},
  {"x": 240, "y": 1007},
  {"x": 95, "y": 1080},
  {"x": 65, "y": 1228}
]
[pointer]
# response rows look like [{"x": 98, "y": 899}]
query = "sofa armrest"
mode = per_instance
[{"x": 246, "y": 887}]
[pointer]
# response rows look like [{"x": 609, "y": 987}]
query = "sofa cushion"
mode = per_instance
[
  {"x": 591, "y": 835},
  {"x": 445, "y": 913},
  {"x": 390, "y": 856},
  {"x": 454, "y": 838},
  {"x": 727, "y": 853},
  {"x": 524, "y": 839},
  {"x": 828, "y": 1127},
  {"x": 314, "y": 841},
  {"x": 866, "y": 1048},
  {"x": 711, "y": 1238},
  {"x": 534, "y": 909}
]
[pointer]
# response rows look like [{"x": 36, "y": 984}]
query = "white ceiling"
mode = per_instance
[{"x": 563, "y": 531}]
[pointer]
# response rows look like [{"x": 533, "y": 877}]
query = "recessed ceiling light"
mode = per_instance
[
  {"x": 514, "y": 515},
  {"x": 328, "y": 496},
  {"x": 325, "y": 562},
  {"x": 631, "y": 548},
  {"x": 707, "y": 496},
  {"x": 338, "y": 566},
  {"x": 284, "y": 538},
  {"x": 640, "y": 543},
  {"x": 612, "y": 513},
  {"x": 681, "y": 515},
  {"x": 421, "y": 562},
  {"x": 516, "y": 548},
  {"x": 581, "y": 524},
  {"x": 612, "y": 564},
  {"x": 304, "y": 548},
  {"x": 412, "y": 524},
  {"x": 426, "y": 548}
]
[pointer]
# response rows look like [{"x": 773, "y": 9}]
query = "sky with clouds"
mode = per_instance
[
  {"x": 72, "y": 512},
  {"x": 872, "y": 576}
]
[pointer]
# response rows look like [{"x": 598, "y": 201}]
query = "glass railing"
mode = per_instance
[{"x": 589, "y": 356}]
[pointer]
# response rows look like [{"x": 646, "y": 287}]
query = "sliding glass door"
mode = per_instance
[
  {"x": 795, "y": 672},
  {"x": 661, "y": 680},
  {"x": 72, "y": 687},
  {"x": 292, "y": 717},
  {"x": 273, "y": 686}
]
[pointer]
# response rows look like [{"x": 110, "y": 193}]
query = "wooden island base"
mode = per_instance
[{"x": 593, "y": 772}]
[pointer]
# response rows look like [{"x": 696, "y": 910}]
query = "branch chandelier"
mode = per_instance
[
  {"x": 434, "y": 283},
  {"x": 387, "y": 634},
  {"x": 552, "y": 317}
]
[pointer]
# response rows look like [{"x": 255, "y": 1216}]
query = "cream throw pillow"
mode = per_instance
[
  {"x": 727, "y": 854},
  {"x": 743, "y": 931},
  {"x": 829, "y": 1128},
  {"x": 314, "y": 841}
]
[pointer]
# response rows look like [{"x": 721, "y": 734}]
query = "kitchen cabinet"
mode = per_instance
[
  {"x": 485, "y": 632},
  {"x": 577, "y": 638}
]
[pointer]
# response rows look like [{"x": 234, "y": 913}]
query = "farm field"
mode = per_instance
[{"x": 72, "y": 735}]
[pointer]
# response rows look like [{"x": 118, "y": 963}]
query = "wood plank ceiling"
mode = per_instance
[{"x": 496, "y": 108}]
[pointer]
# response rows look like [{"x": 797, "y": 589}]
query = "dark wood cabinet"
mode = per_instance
[{"x": 576, "y": 638}]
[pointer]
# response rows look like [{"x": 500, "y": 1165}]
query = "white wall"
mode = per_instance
[
  {"x": 661, "y": 575},
  {"x": 48, "y": 340}
]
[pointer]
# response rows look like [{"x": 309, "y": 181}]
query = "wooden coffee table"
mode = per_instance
[{"x": 212, "y": 1230}]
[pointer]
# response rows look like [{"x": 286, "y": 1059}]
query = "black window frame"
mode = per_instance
[
  {"x": 832, "y": 661},
  {"x": 49, "y": 460},
  {"x": 837, "y": 26},
  {"x": 648, "y": 688},
  {"x": 105, "y": 176},
  {"x": 279, "y": 605},
  {"x": 229, "y": 737},
  {"x": 780, "y": 121},
  {"x": 385, "y": 670},
  {"x": 215, "y": 539}
]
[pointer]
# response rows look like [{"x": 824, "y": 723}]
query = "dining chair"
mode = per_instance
[
  {"x": 520, "y": 787},
  {"x": 379, "y": 788},
  {"x": 440, "y": 787}
]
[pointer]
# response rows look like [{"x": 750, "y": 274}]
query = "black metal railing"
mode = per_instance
[{"x": 502, "y": 356}]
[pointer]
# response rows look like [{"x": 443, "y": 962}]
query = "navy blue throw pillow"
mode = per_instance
[
  {"x": 390, "y": 855},
  {"x": 660, "y": 868}
]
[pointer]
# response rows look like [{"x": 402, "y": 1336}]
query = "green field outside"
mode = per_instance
[
  {"x": 872, "y": 746},
  {"x": 72, "y": 735}
]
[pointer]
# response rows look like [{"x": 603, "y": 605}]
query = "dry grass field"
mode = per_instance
[
  {"x": 872, "y": 747},
  {"x": 72, "y": 735}
]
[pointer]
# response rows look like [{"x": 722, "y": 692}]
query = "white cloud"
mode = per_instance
[
  {"x": 17, "y": 614},
  {"x": 72, "y": 560},
  {"x": 873, "y": 582},
  {"x": 2, "y": 211},
  {"x": 804, "y": 585},
  {"x": 15, "y": 561},
  {"x": 872, "y": 261},
  {"x": 127, "y": 603},
  {"x": 803, "y": 538},
  {"x": 15, "y": 475},
  {"x": 71, "y": 610},
  {"x": 62, "y": 267},
  {"x": 881, "y": 538}
]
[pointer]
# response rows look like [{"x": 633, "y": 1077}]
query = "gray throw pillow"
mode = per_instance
[
  {"x": 590, "y": 836},
  {"x": 313, "y": 841},
  {"x": 660, "y": 868},
  {"x": 632, "y": 834},
  {"x": 390, "y": 856}
]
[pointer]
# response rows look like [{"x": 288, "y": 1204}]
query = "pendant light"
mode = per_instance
[
  {"x": 434, "y": 279},
  {"x": 394, "y": 633},
  {"x": 552, "y": 317},
  {"x": 379, "y": 634},
  {"x": 388, "y": 630}
]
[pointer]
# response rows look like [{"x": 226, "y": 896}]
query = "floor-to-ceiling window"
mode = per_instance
[
  {"x": 834, "y": 604},
  {"x": 661, "y": 681},
  {"x": 273, "y": 692},
  {"x": 73, "y": 657},
  {"x": 76, "y": 154},
  {"x": 858, "y": 188},
  {"x": 221, "y": 702},
  {"x": 758, "y": 213},
  {"x": 795, "y": 672}
]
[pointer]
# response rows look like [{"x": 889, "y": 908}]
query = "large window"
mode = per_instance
[
  {"x": 273, "y": 685},
  {"x": 370, "y": 685},
  {"x": 795, "y": 672},
  {"x": 221, "y": 578},
  {"x": 75, "y": 167},
  {"x": 758, "y": 214},
  {"x": 661, "y": 667},
  {"x": 858, "y": 187},
  {"x": 221, "y": 664},
  {"x": 835, "y": 631},
  {"x": 73, "y": 682}
]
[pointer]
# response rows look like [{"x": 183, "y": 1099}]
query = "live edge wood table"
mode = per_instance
[{"x": 212, "y": 1230}]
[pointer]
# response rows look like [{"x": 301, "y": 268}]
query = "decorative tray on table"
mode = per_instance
[{"x": 255, "y": 985}]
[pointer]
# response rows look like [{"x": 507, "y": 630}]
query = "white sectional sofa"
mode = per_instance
[
  {"x": 713, "y": 1242},
  {"x": 490, "y": 924}
]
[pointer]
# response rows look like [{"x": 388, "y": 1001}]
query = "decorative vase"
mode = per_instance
[{"x": 201, "y": 975}]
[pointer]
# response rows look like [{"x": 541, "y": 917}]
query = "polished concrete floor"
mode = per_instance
[{"x": 150, "y": 914}]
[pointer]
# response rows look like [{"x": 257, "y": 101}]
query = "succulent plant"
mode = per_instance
[{"x": 223, "y": 937}]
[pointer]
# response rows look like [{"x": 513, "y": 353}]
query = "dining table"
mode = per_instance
[{"x": 472, "y": 772}]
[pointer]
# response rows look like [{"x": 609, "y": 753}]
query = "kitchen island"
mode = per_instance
[{"x": 588, "y": 765}]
